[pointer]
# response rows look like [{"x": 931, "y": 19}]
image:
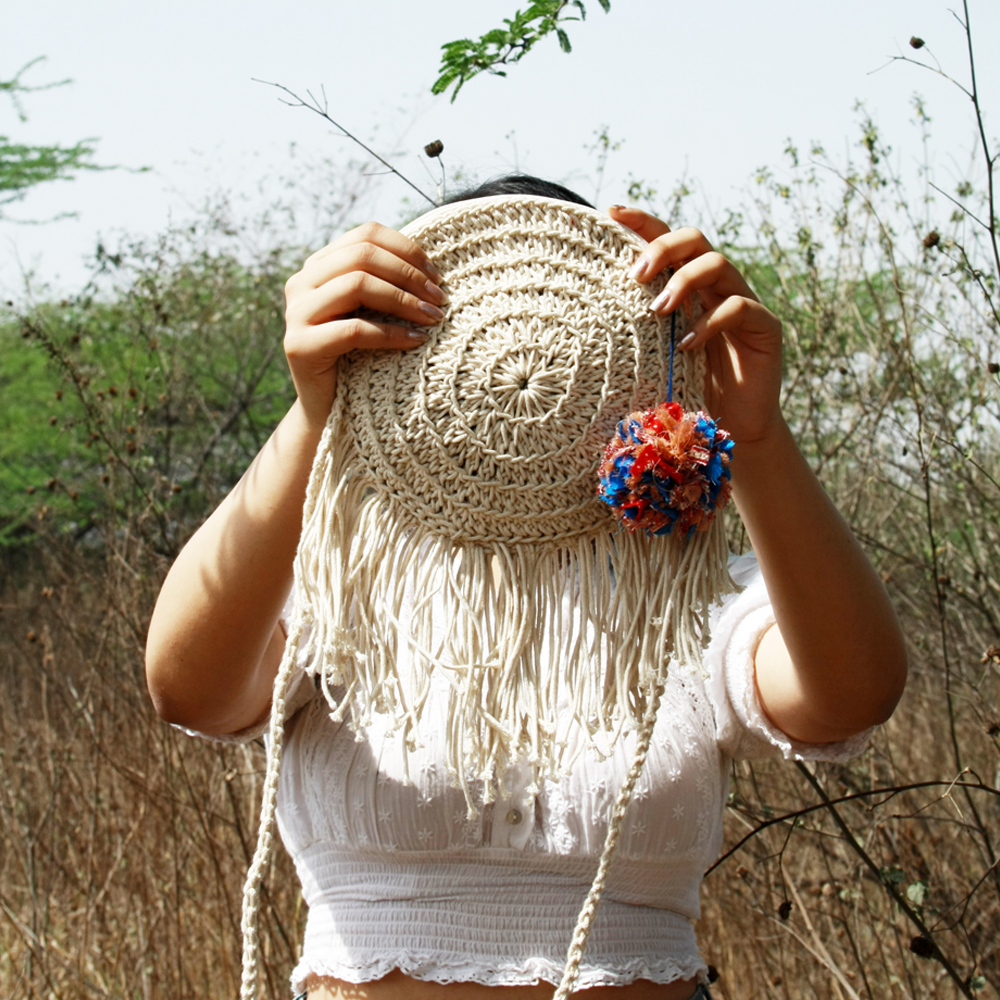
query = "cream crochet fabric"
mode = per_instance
[{"x": 466, "y": 471}]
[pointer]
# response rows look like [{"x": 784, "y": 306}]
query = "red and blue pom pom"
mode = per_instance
[{"x": 666, "y": 469}]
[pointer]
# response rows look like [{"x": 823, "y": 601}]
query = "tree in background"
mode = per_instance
[{"x": 23, "y": 167}]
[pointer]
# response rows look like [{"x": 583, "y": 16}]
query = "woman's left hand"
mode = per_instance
[
  {"x": 742, "y": 339},
  {"x": 835, "y": 662}
]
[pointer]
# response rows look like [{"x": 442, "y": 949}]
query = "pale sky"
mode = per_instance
[{"x": 711, "y": 91}]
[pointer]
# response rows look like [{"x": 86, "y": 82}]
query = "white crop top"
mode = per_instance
[{"x": 396, "y": 875}]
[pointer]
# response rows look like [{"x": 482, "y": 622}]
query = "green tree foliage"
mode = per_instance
[
  {"x": 465, "y": 58},
  {"x": 164, "y": 391},
  {"x": 22, "y": 166}
]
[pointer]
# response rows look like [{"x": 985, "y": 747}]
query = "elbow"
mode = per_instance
[
  {"x": 175, "y": 699},
  {"x": 889, "y": 669},
  {"x": 167, "y": 705},
  {"x": 876, "y": 679},
  {"x": 875, "y": 693},
  {"x": 175, "y": 706},
  {"x": 186, "y": 692},
  {"x": 893, "y": 675}
]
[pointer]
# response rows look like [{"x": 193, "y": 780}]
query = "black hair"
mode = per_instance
[{"x": 519, "y": 184}]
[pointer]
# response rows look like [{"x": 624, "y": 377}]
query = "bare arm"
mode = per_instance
[
  {"x": 834, "y": 663},
  {"x": 214, "y": 643}
]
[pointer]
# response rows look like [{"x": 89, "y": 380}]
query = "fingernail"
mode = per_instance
[
  {"x": 686, "y": 340},
  {"x": 417, "y": 334},
  {"x": 639, "y": 268},
  {"x": 434, "y": 292},
  {"x": 430, "y": 269},
  {"x": 618, "y": 208},
  {"x": 662, "y": 301},
  {"x": 432, "y": 311}
]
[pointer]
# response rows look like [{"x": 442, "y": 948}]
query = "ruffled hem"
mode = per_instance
[{"x": 528, "y": 972}]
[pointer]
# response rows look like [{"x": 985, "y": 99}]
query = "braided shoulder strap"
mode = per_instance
[{"x": 588, "y": 911}]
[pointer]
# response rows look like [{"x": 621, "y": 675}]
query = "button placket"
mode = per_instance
[{"x": 515, "y": 808}]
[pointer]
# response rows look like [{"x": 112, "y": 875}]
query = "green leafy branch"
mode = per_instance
[
  {"x": 465, "y": 58},
  {"x": 23, "y": 166}
]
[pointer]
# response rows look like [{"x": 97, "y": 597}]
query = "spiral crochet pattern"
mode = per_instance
[
  {"x": 467, "y": 470},
  {"x": 492, "y": 433}
]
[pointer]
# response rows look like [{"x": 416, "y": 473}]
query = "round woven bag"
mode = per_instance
[
  {"x": 493, "y": 431},
  {"x": 465, "y": 471}
]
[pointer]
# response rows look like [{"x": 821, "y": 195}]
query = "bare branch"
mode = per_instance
[{"x": 321, "y": 109}]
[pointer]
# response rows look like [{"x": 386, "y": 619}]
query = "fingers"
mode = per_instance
[
  {"x": 320, "y": 351},
  {"x": 369, "y": 267},
  {"x": 352, "y": 272},
  {"x": 710, "y": 273},
  {"x": 670, "y": 250},
  {"x": 356, "y": 289},
  {"x": 369, "y": 259},
  {"x": 736, "y": 314},
  {"x": 312, "y": 355},
  {"x": 388, "y": 239},
  {"x": 730, "y": 304}
]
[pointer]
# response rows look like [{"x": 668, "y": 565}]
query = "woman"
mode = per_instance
[{"x": 823, "y": 668}]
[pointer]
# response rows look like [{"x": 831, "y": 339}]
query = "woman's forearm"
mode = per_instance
[
  {"x": 836, "y": 662},
  {"x": 213, "y": 645}
]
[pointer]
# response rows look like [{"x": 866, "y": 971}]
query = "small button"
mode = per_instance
[{"x": 514, "y": 817}]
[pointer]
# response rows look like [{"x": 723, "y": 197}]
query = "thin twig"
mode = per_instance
[
  {"x": 323, "y": 112},
  {"x": 890, "y": 793},
  {"x": 902, "y": 903},
  {"x": 964, "y": 208}
]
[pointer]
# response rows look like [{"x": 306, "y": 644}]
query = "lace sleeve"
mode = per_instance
[
  {"x": 743, "y": 730},
  {"x": 299, "y": 694}
]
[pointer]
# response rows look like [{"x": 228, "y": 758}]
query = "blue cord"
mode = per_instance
[{"x": 670, "y": 372}]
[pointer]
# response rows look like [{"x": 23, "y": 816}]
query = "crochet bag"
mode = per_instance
[{"x": 467, "y": 470}]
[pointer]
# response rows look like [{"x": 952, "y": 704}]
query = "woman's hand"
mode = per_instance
[
  {"x": 742, "y": 339},
  {"x": 371, "y": 267},
  {"x": 835, "y": 662}
]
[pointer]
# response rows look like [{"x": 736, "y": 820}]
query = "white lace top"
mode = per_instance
[{"x": 396, "y": 875}]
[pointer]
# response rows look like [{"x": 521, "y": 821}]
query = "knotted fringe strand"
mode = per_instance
[
  {"x": 588, "y": 911},
  {"x": 265, "y": 834}
]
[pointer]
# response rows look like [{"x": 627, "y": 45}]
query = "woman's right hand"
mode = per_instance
[{"x": 369, "y": 267}]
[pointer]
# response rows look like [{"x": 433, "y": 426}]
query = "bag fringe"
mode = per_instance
[{"x": 378, "y": 590}]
